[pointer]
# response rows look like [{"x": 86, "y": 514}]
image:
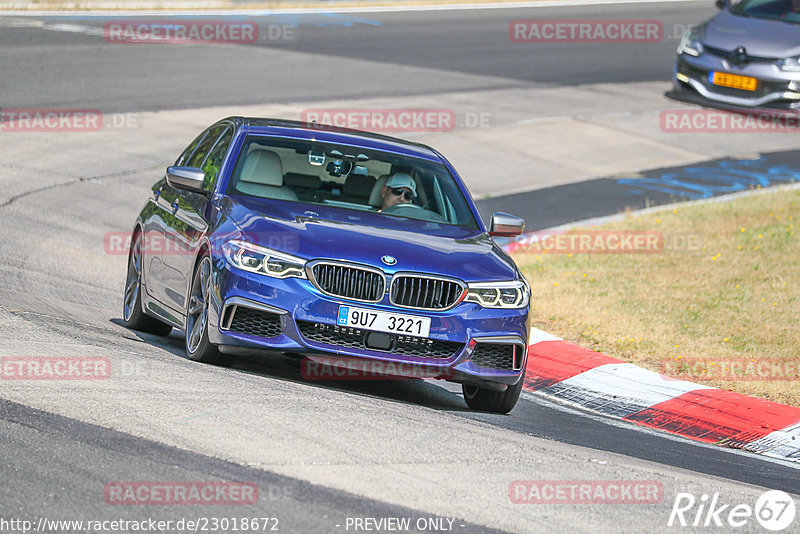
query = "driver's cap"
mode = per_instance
[{"x": 402, "y": 179}]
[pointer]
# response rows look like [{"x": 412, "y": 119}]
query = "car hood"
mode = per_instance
[
  {"x": 760, "y": 37},
  {"x": 469, "y": 255}
]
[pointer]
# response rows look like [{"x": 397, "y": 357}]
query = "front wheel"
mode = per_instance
[
  {"x": 487, "y": 400},
  {"x": 198, "y": 347}
]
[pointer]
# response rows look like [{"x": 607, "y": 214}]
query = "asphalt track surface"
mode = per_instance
[
  {"x": 260, "y": 422},
  {"x": 569, "y": 203},
  {"x": 60, "y": 68}
]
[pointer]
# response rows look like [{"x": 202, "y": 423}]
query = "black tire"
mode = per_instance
[
  {"x": 487, "y": 400},
  {"x": 198, "y": 347},
  {"x": 133, "y": 316}
]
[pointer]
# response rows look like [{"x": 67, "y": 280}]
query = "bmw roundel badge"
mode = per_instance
[{"x": 389, "y": 260}]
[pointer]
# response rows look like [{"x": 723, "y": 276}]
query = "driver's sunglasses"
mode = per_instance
[{"x": 396, "y": 191}]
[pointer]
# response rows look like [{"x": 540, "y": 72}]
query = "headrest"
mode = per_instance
[
  {"x": 358, "y": 185},
  {"x": 262, "y": 167},
  {"x": 308, "y": 181},
  {"x": 375, "y": 199}
]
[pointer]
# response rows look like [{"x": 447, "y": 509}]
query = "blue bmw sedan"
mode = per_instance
[{"x": 281, "y": 236}]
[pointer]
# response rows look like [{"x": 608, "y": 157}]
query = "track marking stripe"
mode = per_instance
[
  {"x": 537, "y": 336},
  {"x": 595, "y": 381},
  {"x": 552, "y": 361},
  {"x": 618, "y": 389},
  {"x": 718, "y": 416},
  {"x": 780, "y": 444}
]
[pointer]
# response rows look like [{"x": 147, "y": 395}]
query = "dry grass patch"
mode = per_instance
[{"x": 725, "y": 288}]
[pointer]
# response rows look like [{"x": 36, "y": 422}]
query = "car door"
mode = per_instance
[
  {"x": 188, "y": 218},
  {"x": 158, "y": 214}
]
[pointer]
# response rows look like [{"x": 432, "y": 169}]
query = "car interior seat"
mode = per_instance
[{"x": 262, "y": 176}]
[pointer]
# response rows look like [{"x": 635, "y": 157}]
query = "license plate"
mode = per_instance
[
  {"x": 381, "y": 321},
  {"x": 733, "y": 80}
]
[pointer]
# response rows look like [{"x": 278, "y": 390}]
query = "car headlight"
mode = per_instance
[
  {"x": 507, "y": 295},
  {"x": 690, "y": 44},
  {"x": 261, "y": 260},
  {"x": 791, "y": 64}
]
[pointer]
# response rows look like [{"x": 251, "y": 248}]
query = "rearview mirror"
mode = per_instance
[
  {"x": 186, "y": 178},
  {"x": 339, "y": 167},
  {"x": 316, "y": 158},
  {"x": 505, "y": 225}
]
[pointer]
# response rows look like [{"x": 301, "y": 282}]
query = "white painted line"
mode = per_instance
[
  {"x": 779, "y": 444},
  {"x": 73, "y": 28},
  {"x": 557, "y": 404},
  {"x": 556, "y": 118},
  {"x": 537, "y": 336},
  {"x": 584, "y": 117},
  {"x": 619, "y": 389}
]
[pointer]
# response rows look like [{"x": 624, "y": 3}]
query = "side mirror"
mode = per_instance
[
  {"x": 722, "y": 4},
  {"x": 505, "y": 225},
  {"x": 187, "y": 178}
]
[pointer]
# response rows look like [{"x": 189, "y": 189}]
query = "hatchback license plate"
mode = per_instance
[
  {"x": 380, "y": 321},
  {"x": 733, "y": 81}
]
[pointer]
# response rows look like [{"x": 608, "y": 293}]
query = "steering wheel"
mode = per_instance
[
  {"x": 398, "y": 208},
  {"x": 419, "y": 212}
]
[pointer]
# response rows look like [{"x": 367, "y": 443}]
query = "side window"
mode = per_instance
[
  {"x": 214, "y": 160},
  {"x": 204, "y": 147},
  {"x": 190, "y": 150}
]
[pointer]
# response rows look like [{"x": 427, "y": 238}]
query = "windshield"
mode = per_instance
[
  {"x": 785, "y": 10},
  {"x": 349, "y": 177}
]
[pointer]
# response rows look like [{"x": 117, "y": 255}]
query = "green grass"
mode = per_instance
[{"x": 725, "y": 287}]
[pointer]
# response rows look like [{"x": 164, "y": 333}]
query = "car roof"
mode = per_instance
[{"x": 334, "y": 134}]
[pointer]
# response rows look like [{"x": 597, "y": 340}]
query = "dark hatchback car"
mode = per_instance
[
  {"x": 326, "y": 243},
  {"x": 745, "y": 57}
]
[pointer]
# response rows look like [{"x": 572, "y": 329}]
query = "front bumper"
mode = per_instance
[
  {"x": 468, "y": 343},
  {"x": 776, "y": 90}
]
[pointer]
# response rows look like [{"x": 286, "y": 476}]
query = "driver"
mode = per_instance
[{"x": 399, "y": 189}]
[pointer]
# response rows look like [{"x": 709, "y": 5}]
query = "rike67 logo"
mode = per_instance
[{"x": 774, "y": 510}]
